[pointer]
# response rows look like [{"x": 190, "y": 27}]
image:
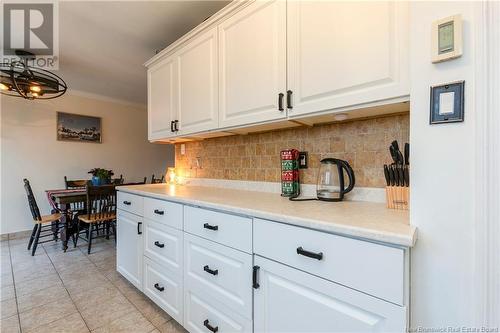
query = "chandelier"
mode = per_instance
[{"x": 20, "y": 80}]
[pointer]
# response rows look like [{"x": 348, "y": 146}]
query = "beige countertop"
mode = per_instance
[{"x": 366, "y": 220}]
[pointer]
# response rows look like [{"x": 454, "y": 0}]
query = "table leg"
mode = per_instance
[{"x": 65, "y": 220}]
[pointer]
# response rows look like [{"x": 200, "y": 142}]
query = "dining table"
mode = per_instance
[{"x": 61, "y": 201}]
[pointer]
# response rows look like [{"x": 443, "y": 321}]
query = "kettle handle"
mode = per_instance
[{"x": 350, "y": 174}]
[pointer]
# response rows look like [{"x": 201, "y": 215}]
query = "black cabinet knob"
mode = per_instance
[
  {"x": 160, "y": 245},
  {"x": 159, "y": 212},
  {"x": 128, "y": 203}
]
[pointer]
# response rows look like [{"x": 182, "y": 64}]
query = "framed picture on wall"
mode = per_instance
[{"x": 79, "y": 128}]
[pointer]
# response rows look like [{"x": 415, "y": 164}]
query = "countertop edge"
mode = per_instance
[{"x": 350, "y": 231}]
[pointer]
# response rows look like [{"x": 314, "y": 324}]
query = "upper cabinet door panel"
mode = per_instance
[
  {"x": 198, "y": 84},
  {"x": 346, "y": 53},
  {"x": 161, "y": 99},
  {"x": 252, "y": 62}
]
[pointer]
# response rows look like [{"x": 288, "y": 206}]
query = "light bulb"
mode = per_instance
[
  {"x": 34, "y": 94},
  {"x": 35, "y": 88},
  {"x": 4, "y": 86}
]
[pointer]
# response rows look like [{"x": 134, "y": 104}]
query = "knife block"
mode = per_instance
[{"x": 397, "y": 197}]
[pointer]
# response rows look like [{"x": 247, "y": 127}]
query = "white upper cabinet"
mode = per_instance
[
  {"x": 198, "y": 84},
  {"x": 342, "y": 54},
  {"x": 252, "y": 64},
  {"x": 162, "y": 109}
]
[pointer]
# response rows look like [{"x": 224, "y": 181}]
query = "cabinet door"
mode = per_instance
[
  {"x": 198, "y": 84},
  {"x": 252, "y": 62},
  {"x": 289, "y": 300},
  {"x": 342, "y": 54},
  {"x": 129, "y": 248},
  {"x": 162, "y": 91}
]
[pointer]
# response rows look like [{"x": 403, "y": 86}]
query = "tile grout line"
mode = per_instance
[
  {"x": 14, "y": 285},
  {"x": 155, "y": 327},
  {"x": 69, "y": 295}
]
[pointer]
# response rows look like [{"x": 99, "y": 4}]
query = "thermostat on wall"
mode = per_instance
[{"x": 447, "y": 38}]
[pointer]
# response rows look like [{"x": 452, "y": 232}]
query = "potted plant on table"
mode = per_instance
[{"x": 101, "y": 176}]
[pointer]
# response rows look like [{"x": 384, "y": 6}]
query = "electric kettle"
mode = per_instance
[{"x": 331, "y": 185}]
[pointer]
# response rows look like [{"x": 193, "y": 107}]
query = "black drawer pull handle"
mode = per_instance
[
  {"x": 210, "y": 271},
  {"x": 160, "y": 245},
  {"x": 159, "y": 212},
  {"x": 303, "y": 252},
  {"x": 128, "y": 203},
  {"x": 255, "y": 282},
  {"x": 172, "y": 126},
  {"x": 211, "y": 227},
  {"x": 210, "y": 327},
  {"x": 157, "y": 286},
  {"x": 139, "y": 232},
  {"x": 280, "y": 101},
  {"x": 289, "y": 99}
]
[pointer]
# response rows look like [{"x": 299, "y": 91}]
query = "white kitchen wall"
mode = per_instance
[
  {"x": 29, "y": 149},
  {"x": 442, "y": 159}
]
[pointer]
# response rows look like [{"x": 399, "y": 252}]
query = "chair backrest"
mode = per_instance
[
  {"x": 156, "y": 180},
  {"x": 101, "y": 201},
  {"x": 74, "y": 184},
  {"x": 118, "y": 181},
  {"x": 35, "y": 212}
]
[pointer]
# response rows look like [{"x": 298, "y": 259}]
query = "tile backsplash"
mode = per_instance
[{"x": 363, "y": 143}]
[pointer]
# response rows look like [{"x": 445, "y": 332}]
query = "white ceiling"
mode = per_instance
[{"x": 103, "y": 44}]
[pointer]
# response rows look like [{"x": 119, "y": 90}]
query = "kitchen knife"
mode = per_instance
[
  {"x": 396, "y": 175},
  {"x": 407, "y": 153},
  {"x": 407, "y": 176},
  {"x": 391, "y": 175},
  {"x": 394, "y": 154},
  {"x": 395, "y": 144},
  {"x": 401, "y": 175},
  {"x": 386, "y": 174}
]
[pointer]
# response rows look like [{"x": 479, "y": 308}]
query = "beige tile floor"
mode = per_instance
[{"x": 72, "y": 292}]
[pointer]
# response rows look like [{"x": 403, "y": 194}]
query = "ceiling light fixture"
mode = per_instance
[{"x": 20, "y": 80}]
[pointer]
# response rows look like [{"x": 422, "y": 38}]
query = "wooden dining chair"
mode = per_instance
[
  {"x": 118, "y": 181},
  {"x": 157, "y": 180},
  {"x": 45, "y": 225},
  {"x": 101, "y": 213}
]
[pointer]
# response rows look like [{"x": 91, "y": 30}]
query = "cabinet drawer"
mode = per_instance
[
  {"x": 164, "y": 245},
  {"x": 203, "y": 316},
  {"x": 165, "y": 212},
  {"x": 375, "y": 269},
  {"x": 231, "y": 230},
  {"x": 130, "y": 202},
  {"x": 224, "y": 274},
  {"x": 164, "y": 289}
]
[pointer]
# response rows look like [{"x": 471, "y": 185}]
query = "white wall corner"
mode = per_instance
[{"x": 487, "y": 205}]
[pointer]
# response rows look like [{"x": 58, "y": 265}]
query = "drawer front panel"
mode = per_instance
[
  {"x": 164, "y": 245},
  {"x": 165, "y": 212},
  {"x": 164, "y": 289},
  {"x": 224, "y": 274},
  {"x": 130, "y": 202},
  {"x": 375, "y": 269},
  {"x": 231, "y": 230},
  {"x": 203, "y": 316}
]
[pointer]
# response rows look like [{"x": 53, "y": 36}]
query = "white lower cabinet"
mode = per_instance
[
  {"x": 129, "y": 247},
  {"x": 201, "y": 315},
  {"x": 164, "y": 288},
  {"x": 289, "y": 300},
  {"x": 215, "y": 272}
]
